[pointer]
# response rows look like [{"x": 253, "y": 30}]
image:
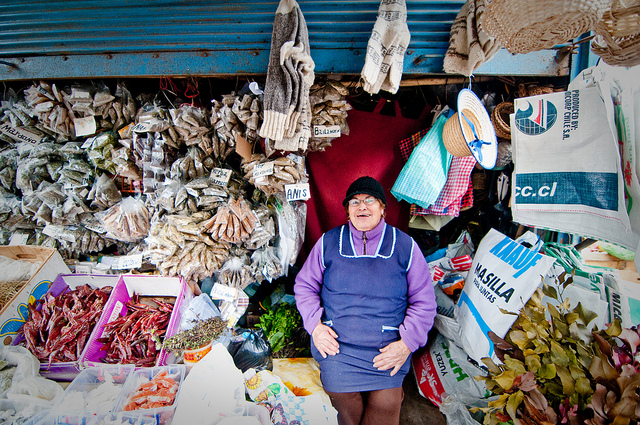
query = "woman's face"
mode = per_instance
[{"x": 367, "y": 213}]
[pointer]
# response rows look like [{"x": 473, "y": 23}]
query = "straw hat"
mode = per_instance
[
  {"x": 470, "y": 131},
  {"x": 524, "y": 26}
]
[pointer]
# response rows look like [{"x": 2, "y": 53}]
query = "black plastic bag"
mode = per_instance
[{"x": 250, "y": 349}]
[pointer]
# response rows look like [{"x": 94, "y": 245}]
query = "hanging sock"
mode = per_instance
[
  {"x": 290, "y": 75},
  {"x": 384, "y": 61}
]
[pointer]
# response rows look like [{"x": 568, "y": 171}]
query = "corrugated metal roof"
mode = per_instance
[{"x": 76, "y": 38}]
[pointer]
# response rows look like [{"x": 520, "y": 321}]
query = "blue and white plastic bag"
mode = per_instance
[{"x": 503, "y": 276}]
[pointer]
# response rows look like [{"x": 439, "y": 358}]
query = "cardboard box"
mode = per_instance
[
  {"x": 67, "y": 371},
  {"x": 15, "y": 312},
  {"x": 143, "y": 285}
]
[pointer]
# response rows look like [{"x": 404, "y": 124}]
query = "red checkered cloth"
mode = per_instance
[{"x": 457, "y": 192}]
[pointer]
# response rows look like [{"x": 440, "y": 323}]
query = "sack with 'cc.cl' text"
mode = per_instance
[{"x": 567, "y": 174}]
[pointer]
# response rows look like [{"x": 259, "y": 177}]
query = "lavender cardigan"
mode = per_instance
[{"x": 421, "y": 307}]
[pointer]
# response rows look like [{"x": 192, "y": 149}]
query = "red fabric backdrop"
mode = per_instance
[{"x": 371, "y": 148}]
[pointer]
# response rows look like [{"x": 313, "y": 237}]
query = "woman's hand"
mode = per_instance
[
  {"x": 324, "y": 338},
  {"x": 392, "y": 356}
]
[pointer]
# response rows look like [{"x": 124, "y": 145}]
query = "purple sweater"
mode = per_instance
[{"x": 420, "y": 295}]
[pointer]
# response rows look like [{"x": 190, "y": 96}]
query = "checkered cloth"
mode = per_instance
[{"x": 457, "y": 192}]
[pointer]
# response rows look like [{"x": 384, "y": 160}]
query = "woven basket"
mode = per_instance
[
  {"x": 500, "y": 119},
  {"x": 617, "y": 39},
  {"x": 523, "y": 26}
]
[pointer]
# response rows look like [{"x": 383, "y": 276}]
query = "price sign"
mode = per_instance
[
  {"x": 297, "y": 192},
  {"x": 20, "y": 134},
  {"x": 94, "y": 225},
  {"x": 142, "y": 127},
  {"x": 326, "y": 131},
  {"x": 58, "y": 233},
  {"x": 223, "y": 292},
  {"x": 85, "y": 126},
  {"x": 262, "y": 170},
  {"x": 127, "y": 262},
  {"x": 220, "y": 176},
  {"x": 19, "y": 239}
]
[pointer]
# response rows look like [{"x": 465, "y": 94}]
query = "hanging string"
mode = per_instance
[{"x": 192, "y": 90}]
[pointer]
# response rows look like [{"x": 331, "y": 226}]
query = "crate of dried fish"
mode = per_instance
[
  {"x": 141, "y": 311},
  {"x": 48, "y": 263},
  {"x": 58, "y": 336}
]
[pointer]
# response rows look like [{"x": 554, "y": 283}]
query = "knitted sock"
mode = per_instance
[
  {"x": 279, "y": 84},
  {"x": 388, "y": 42}
]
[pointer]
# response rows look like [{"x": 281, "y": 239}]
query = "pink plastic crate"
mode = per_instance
[
  {"x": 142, "y": 285},
  {"x": 67, "y": 371}
]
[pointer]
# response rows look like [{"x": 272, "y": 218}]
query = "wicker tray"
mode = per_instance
[
  {"x": 524, "y": 26},
  {"x": 617, "y": 39}
]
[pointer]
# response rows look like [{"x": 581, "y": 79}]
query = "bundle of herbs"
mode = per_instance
[
  {"x": 201, "y": 334},
  {"x": 557, "y": 371},
  {"x": 282, "y": 325}
]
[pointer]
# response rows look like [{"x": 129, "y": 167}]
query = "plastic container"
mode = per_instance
[
  {"x": 95, "y": 390},
  {"x": 163, "y": 415},
  {"x": 101, "y": 419},
  {"x": 195, "y": 355},
  {"x": 242, "y": 412}
]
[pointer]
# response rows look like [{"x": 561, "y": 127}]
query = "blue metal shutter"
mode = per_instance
[{"x": 151, "y": 38}]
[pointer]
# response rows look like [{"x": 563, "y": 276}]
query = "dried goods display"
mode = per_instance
[
  {"x": 134, "y": 337},
  {"x": 59, "y": 330},
  {"x": 135, "y": 174}
]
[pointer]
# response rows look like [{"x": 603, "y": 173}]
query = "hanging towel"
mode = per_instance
[
  {"x": 469, "y": 45},
  {"x": 389, "y": 39},
  {"x": 290, "y": 74},
  {"x": 457, "y": 192},
  {"x": 424, "y": 175}
]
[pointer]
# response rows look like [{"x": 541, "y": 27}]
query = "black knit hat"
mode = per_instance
[{"x": 367, "y": 185}]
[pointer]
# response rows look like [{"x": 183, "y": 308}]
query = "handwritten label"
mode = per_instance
[
  {"x": 127, "y": 262},
  {"x": 85, "y": 126},
  {"x": 220, "y": 176},
  {"x": 223, "y": 292},
  {"x": 58, "y": 233},
  {"x": 142, "y": 127},
  {"x": 297, "y": 192},
  {"x": 20, "y": 134},
  {"x": 94, "y": 225},
  {"x": 19, "y": 239},
  {"x": 326, "y": 131},
  {"x": 262, "y": 170}
]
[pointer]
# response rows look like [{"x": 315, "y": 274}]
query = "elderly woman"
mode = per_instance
[{"x": 366, "y": 298}]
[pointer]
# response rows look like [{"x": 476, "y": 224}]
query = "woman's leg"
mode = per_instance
[
  {"x": 383, "y": 407},
  {"x": 349, "y": 407}
]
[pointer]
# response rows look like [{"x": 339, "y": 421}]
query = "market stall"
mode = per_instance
[{"x": 156, "y": 226}]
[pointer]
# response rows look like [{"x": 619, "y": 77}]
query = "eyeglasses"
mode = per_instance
[{"x": 353, "y": 202}]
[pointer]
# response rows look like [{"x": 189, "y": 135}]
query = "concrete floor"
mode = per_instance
[{"x": 417, "y": 410}]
